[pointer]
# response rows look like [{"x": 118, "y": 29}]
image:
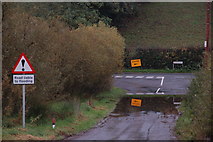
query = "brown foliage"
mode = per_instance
[{"x": 77, "y": 62}]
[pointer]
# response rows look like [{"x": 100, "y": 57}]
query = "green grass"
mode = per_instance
[
  {"x": 103, "y": 104},
  {"x": 159, "y": 70},
  {"x": 166, "y": 25},
  {"x": 195, "y": 121}
]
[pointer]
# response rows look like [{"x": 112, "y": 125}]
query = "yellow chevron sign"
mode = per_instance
[{"x": 136, "y": 63}]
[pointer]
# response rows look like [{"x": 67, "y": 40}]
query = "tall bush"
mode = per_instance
[{"x": 68, "y": 62}]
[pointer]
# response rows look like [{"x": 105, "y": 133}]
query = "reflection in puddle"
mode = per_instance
[{"x": 159, "y": 105}]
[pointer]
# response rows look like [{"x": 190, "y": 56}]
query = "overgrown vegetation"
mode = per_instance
[
  {"x": 196, "y": 119},
  {"x": 71, "y": 65},
  {"x": 163, "y": 58},
  {"x": 75, "y": 52},
  {"x": 81, "y": 13},
  {"x": 66, "y": 124}
]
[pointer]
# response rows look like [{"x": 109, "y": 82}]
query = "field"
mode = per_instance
[{"x": 165, "y": 25}]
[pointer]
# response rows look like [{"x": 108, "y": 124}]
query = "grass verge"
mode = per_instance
[
  {"x": 103, "y": 104},
  {"x": 195, "y": 121}
]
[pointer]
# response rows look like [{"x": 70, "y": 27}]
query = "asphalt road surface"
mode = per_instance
[
  {"x": 142, "y": 125},
  {"x": 137, "y": 126},
  {"x": 153, "y": 83}
]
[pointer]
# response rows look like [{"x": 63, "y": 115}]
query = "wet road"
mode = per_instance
[
  {"x": 143, "y": 125},
  {"x": 157, "y": 117},
  {"x": 154, "y": 83},
  {"x": 154, "y": 120}
]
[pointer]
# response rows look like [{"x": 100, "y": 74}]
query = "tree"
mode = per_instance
[
  {"x": 77, "y": 13},
  {"x": 69, "y": 63}
]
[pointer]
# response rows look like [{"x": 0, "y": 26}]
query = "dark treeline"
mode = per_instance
[{"x": 77, "y": 13}]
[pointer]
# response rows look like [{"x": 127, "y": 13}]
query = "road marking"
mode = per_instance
[
  {"x": 129, "y": 76},
  {"x": 139, "y": 93},
  {"x": 148, "y": 77},
  {"x": 129, "y": 93},
  {"x": 149, "y": 93},
  {"x": 162, "y": 93},
  {"x": 159, "y": 76},
  {"x": 139, "y": 77},
  {"x": 158, "y": 91},
  {"x": 146, "y": 93},
  {"x": 162, "y": 79},
  {"x": 118, "y": 76}
]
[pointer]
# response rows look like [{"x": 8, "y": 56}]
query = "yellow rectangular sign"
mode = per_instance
[
  {"x": 136, "y": 63},
  {"x": 136, "y": 102}
]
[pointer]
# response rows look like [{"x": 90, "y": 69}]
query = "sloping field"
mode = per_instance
[{"x": 165, "y": 25}]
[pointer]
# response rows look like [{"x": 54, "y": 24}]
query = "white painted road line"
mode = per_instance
[
  {"x": 118, "y": 76},
  {"x": 157, "y": 90},
  {"x": 159, "y": 76},
  {"x": 162, "y": 79},
  {"x": 162, "y": 93},
  {"x": 139, "y": 77},
  {"x": 129, "y": 93},
  {"x": 148, "y": 77},
  {"x": 149, "y": 93},
  {"x": 146, "y": 93},
  {"x": 129, "y": 76},
  {"x": 139, "y": 93}
]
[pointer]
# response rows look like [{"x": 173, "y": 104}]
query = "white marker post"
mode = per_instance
[
  {"x": 23, "y": 74},
  {"x": 23, "y": 91},
  {"x": 177, "y": 62}
]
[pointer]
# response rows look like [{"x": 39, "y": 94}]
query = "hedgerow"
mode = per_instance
[
  {"x": 163, "y": 58},
  {"x": 196, "y": 119}
]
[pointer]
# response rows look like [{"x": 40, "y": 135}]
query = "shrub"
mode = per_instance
[
  {"x": 163, "y": 58},
  {"x": 37, "y": 40},
  {"x": 69, "y": 63},
  {"x": 195, "y": 123}
]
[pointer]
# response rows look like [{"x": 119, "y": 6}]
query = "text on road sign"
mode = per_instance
[{"x": 23, "y": 79}]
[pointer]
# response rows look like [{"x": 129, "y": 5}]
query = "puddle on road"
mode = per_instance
[{"x": 156, "y": 104}]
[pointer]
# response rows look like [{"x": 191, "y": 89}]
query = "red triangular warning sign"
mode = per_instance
[{"x": 23, "y": 66}]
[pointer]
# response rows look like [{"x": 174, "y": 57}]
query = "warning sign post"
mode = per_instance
[
  {"x": 23, "y": 74},
  {"x": 23, "y": 66}
]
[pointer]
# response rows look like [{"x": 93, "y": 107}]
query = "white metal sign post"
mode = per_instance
[
  {"x": 23, "y": 74},
  {"x": 23, "y": 100}
]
